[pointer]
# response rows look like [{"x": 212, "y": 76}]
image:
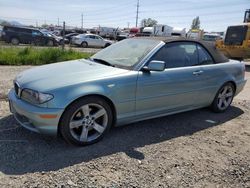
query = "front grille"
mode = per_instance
[{"x": 17, "y": 88}]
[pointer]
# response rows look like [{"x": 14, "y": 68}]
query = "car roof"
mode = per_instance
[
  {"x": 21, "y": 27},
  {"x": 217, "y": 55}
]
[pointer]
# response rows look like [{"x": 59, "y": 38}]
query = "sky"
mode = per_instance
[{"x": 215, "y": 15}]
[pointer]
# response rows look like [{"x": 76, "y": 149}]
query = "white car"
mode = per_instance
[{"x": 86, "y": 40}]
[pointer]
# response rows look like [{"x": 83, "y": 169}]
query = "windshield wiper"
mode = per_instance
[{"x": 101, "y": 61}]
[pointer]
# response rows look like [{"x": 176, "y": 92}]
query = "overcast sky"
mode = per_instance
[{"x": 215, "y": 15}]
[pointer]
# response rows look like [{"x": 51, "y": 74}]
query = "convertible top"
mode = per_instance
[{"x": 218, "y": 56}]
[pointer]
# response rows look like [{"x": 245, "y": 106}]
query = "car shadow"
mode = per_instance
[{"x": 25, "y": 152}]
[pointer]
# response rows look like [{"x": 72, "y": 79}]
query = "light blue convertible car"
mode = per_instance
[{"x": 132, "y": 80}]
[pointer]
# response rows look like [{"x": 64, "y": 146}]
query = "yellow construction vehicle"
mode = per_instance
[{"x": 236, "y": 44}]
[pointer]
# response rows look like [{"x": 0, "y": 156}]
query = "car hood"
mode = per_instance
[{"x": 57, "y": 75}]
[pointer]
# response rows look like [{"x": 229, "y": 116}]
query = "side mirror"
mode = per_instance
[{"x": 155, "y": 66}]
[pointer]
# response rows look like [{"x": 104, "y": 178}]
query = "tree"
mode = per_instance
[
  {"x": 3, "y": 22},
  {"x": 148, "y": 22},
  {"x": 196, "y": 23},
  {"x": 44, "y": 25}
]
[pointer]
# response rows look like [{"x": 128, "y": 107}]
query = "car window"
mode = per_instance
[
  {"x": 26, "y": 31},
  {"x": 36, "y": 33},
  {"x": 178, "y": 54},
  {"x": 204, "y": 56},
  {"x": 92, "y": 37}
]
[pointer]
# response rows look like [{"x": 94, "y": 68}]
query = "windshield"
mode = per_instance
[
  {"x": 127, "y": 53},
  {"x": 236, "y": 35},
  {"x": 47, "y": 34}
]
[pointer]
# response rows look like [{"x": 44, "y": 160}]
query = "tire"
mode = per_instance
[
  {"x": 106, "y": 45},
  {"x": 223, "y": 98},
  {"x": 84, "y": 44},
  {"x": 50, "y": 43},
  {"x": 86, "y": 121},
  {"x": 14, "y": 41}
]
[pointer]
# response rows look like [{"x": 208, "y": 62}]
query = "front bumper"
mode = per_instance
[
  {"x": 29, "y": 116},
  {"x": 76, "y": 42}
]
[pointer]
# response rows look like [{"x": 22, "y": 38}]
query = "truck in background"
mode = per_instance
[
  {"x": 178, "y": 32},
  {"x": 107, "y": 32},
  {"x": 195, "y": 34},
  {"x": 236, "y": 44},
  {"x": 162, "y": 30}
]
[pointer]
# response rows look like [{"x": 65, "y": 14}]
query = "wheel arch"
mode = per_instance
[
  {"x": 14, "y": 37},
  {"x": 84, "y": 41},
  {"x": 232, "y": 82},
  {"x": 222, "y": 84},
  {"x": 105, "y": 98}
]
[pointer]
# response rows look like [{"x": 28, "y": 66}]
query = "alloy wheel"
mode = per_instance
[
  {"x": 225, "y": 97},
  {"x": 88, "y": 122}
]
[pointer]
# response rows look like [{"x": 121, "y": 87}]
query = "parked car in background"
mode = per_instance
[
  {"x": 25, "y": 35},
  {"x": 59, "y": 39},
  {"x": 1, "y": 29},
  {"x": 70, "y": 35},
  {"x": 90, "y": 40},
  {"x": 132, "y": 80},
  {"x": 122, "y": 35}
]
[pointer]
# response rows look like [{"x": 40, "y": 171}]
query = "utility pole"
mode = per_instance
[
  {"x": 82, "y": 21},
  {"x": 137, "y": 11},
  {"x": 128, "y": 24},
  {"x": 58, "y": 22},
  {"x": 63, "y": 35}
]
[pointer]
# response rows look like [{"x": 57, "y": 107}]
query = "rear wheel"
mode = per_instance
[
  {"x": 14, "y": 41},
  {"x": 50, "y": 43},
  {"x": 223, "y": 98},
  {"x": 86, "y": 121},
  {"x": 106, "y": 45},
  {"x": 84, "y": 44}
]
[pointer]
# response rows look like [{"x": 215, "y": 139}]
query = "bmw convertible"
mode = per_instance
[{"x": 132, "y": 80}]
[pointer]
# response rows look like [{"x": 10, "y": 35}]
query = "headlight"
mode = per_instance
[{"x": 35, "y": 97}]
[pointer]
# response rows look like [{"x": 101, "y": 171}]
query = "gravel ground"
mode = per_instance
[{"x": 193, "y": 149}]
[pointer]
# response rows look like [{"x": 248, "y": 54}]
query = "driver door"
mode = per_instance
[{"x": 175, "y": 88}]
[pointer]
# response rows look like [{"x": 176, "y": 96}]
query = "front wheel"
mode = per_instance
[
  {"x": 50, "y": 43},
  {"x": 106, "y": 45},
  {"x": 223, "y": 98},
  {"x": 86, "y": 121},
  {"x": 14, "y": 41},
  {"x": 84, "y": 44}
]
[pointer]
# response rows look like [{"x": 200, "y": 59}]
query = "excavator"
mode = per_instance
[{"x": 236, "y": 44}]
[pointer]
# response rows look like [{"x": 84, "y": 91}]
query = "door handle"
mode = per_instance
[{"x": 199, "y": 72}]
